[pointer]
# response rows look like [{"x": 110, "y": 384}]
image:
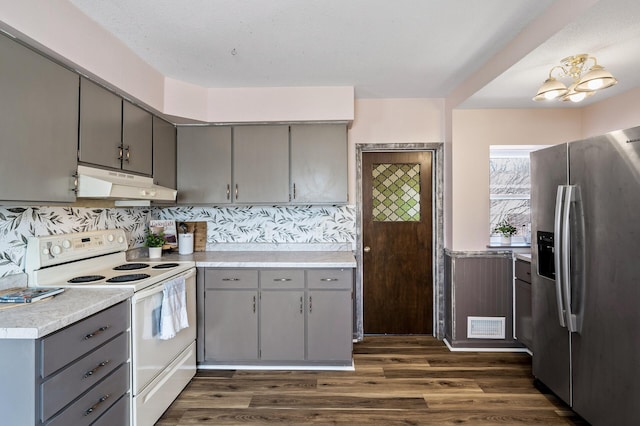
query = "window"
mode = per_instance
[{"x": 510, "y": 189}]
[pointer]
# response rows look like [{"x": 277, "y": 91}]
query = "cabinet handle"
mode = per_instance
[
  {"x": 231, "y": 279},
  {"x": 75, "y": 183},
  {"x": 254, "y": 304},
  {"x": 329, "y": 279},
  {"x": 95, "y": 333},
  {"x": 95, "y": 406},
  {"x": 282, "y": 279},
  {"x": 301, "y": 303},
  {"x": 128, "y": 154},
  {"x": 228, "y": 191},
  {"x": 97, "y": 367},
  {"x": 236, "y": 191},
  {"x": 310, "y": 304},
  {"x": 120, "y": 152},
  {"x": 294, "y": 191}
]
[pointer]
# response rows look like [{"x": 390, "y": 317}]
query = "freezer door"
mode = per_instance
[
  {"x": 551, "y": 341},
  {"x": 606, "y": 369}
]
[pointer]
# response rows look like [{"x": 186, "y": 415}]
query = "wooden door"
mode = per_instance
[{"x": 397, "y": 240}]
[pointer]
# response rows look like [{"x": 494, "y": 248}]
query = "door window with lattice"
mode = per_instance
[{"x": 396, "y": 192}]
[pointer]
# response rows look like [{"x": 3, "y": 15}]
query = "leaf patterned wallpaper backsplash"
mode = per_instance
[{"x": 299, "y": 224}]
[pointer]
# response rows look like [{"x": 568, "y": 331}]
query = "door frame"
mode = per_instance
[{"x": 437, "y": 220}]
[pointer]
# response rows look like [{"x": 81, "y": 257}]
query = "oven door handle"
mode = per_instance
[{"x": 159, "y": 287}]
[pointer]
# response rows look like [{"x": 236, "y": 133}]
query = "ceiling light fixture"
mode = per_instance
[{"x": 587, "y": 80}]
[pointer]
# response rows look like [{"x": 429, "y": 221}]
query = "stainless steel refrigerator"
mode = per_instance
[{"x": 585, "y": 200}]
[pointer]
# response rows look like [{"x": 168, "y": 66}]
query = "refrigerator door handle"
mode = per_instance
[
  {"x": 569, "y": 198},
  {"x": 557, "y": 253}
]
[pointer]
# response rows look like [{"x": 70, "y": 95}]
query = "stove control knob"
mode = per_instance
[
  {"x": 45, "y": 251},
  {"x": 56, "y": 250},
  {"x": 120, "y": 239},
  {"x": 110, "y": 238},
  {"x": 66, "y": 244}
]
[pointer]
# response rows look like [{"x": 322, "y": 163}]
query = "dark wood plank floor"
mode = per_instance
[{"x": 398, "y": 380}]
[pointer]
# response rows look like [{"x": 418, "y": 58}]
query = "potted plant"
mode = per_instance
[
  {"x": 155, "y": 243},
  {"x": 506, "y": 230}
]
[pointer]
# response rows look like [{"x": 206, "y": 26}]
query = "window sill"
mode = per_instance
[{"x": 512, "y": 245}]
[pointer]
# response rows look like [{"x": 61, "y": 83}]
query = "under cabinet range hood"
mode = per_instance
[{"x": 116, "y": 185}]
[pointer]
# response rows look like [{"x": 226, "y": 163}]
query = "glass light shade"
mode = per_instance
[
  {"x": 574, "y": 96},
  {"x": 597, "y": 78},
  {"x": 550, "y": 89}
]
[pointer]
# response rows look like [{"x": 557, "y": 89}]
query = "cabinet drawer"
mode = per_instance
[
  {"x": 231, "y": 278},
  {"x": 523, "y": 270},
  {"x": 118, "y": 414},
  {"x": 282, "y": 278},
  {"x": 95, "y": 402},
  {"x": 66, "y": 345},
  {"x": 65, "y": 386},
  {"x": 330, "y": 278}
]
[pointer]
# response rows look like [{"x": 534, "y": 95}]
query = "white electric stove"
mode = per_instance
[{"x": 160, "y": 367}]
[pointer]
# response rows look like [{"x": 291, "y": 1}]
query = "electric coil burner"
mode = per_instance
[
  {"x": 131, "y": 266},
  {"x": 128, "y": 278},
  {"x": 86, "y": 279}
]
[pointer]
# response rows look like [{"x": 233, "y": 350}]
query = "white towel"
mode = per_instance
[{"x": 174, "y": 309}]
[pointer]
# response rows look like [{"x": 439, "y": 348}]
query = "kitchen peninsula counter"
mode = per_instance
[
  {"x": 38, "y": 319},
  {"x": 267, "y": 259}
]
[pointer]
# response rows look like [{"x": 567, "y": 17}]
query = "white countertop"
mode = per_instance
[
  {"x": 524, "y": 256},
  {"x": 268, "y": 259},
  {"x": 35, "y": 320}
]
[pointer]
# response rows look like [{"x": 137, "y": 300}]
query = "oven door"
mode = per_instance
[{"x": 150, "y": 354}]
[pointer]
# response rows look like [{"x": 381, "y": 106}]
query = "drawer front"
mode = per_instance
[
  {"x": 89, "y": 407},
  {"x": 523, "y": 270},
  {"x": 330, "y": 278},
  {"x": 118, "y": 414},
  {"x": 282, "y": 278},
  {"x": 71, "y": 382},
  {"x": 62, "y": 347},
  {"x": 230, "y": 278}
]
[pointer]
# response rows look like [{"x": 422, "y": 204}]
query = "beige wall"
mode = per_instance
[
  {"x": 619, "y": 112},
  {"x": 474, "y": 131},
  {"x": 393, "y": 121}
]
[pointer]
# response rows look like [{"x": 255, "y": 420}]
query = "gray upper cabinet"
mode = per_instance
[
  {"x": 319, "y": 163},
  {"x": 38, "y": 126},
  {"x": 164, "y": 153},
  {"x": 261, "y": 164},
  {"x": 137, "y": 139},
  {"x": 204, "y": 165},
  {"x": 100, "y": 126}
]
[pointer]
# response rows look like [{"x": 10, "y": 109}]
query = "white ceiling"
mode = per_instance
[{"x": 383, "y": 48}]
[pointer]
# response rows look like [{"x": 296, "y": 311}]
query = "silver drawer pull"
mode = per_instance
[
  {"x": 95, "y": 333},
  {"x": 282, "y": 279},
  {"x": 231, "y": 279},
  {"x": 328, "y": 279},
  {"x": 98, "y": 367},
  {"x": 95, "y": 406}
]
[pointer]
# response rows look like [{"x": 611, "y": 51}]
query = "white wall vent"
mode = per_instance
[{"x": 485, "y": 327}]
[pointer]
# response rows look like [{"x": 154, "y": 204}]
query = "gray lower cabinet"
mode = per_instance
[
  {"x": 164, "y": 153},
  {"x": 230, "y": 315},
  {"x": 291, "y": 316},
  {"x": 319, "y": 163},
  {"x": 204, "y": 165},
  {"x": 76, "y": 376},
  {"x": 38, "y": 126},
  {"x": 261, "y": 164},
  {"x": 524, "y": 320}
]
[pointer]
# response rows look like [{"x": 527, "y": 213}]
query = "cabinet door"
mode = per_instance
[
  {"x": 204, "y": 165},
  {"x": 319, "y": 163},
  {"x": 164, "y": 153},
  {"x": 100, "y": 126},
  {"x": 137, "y": 139},
  {"x": 261, "y": 164},
  {"x": 524, "y": 320},
  {"x": 38, "y": 126},
  {"x": 282, "y": 325},
  {"x": 329, "y": 330},
  {"x": 231, "y": 325}
]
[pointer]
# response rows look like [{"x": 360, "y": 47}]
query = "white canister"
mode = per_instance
[{"x": 185, "y": 243}]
